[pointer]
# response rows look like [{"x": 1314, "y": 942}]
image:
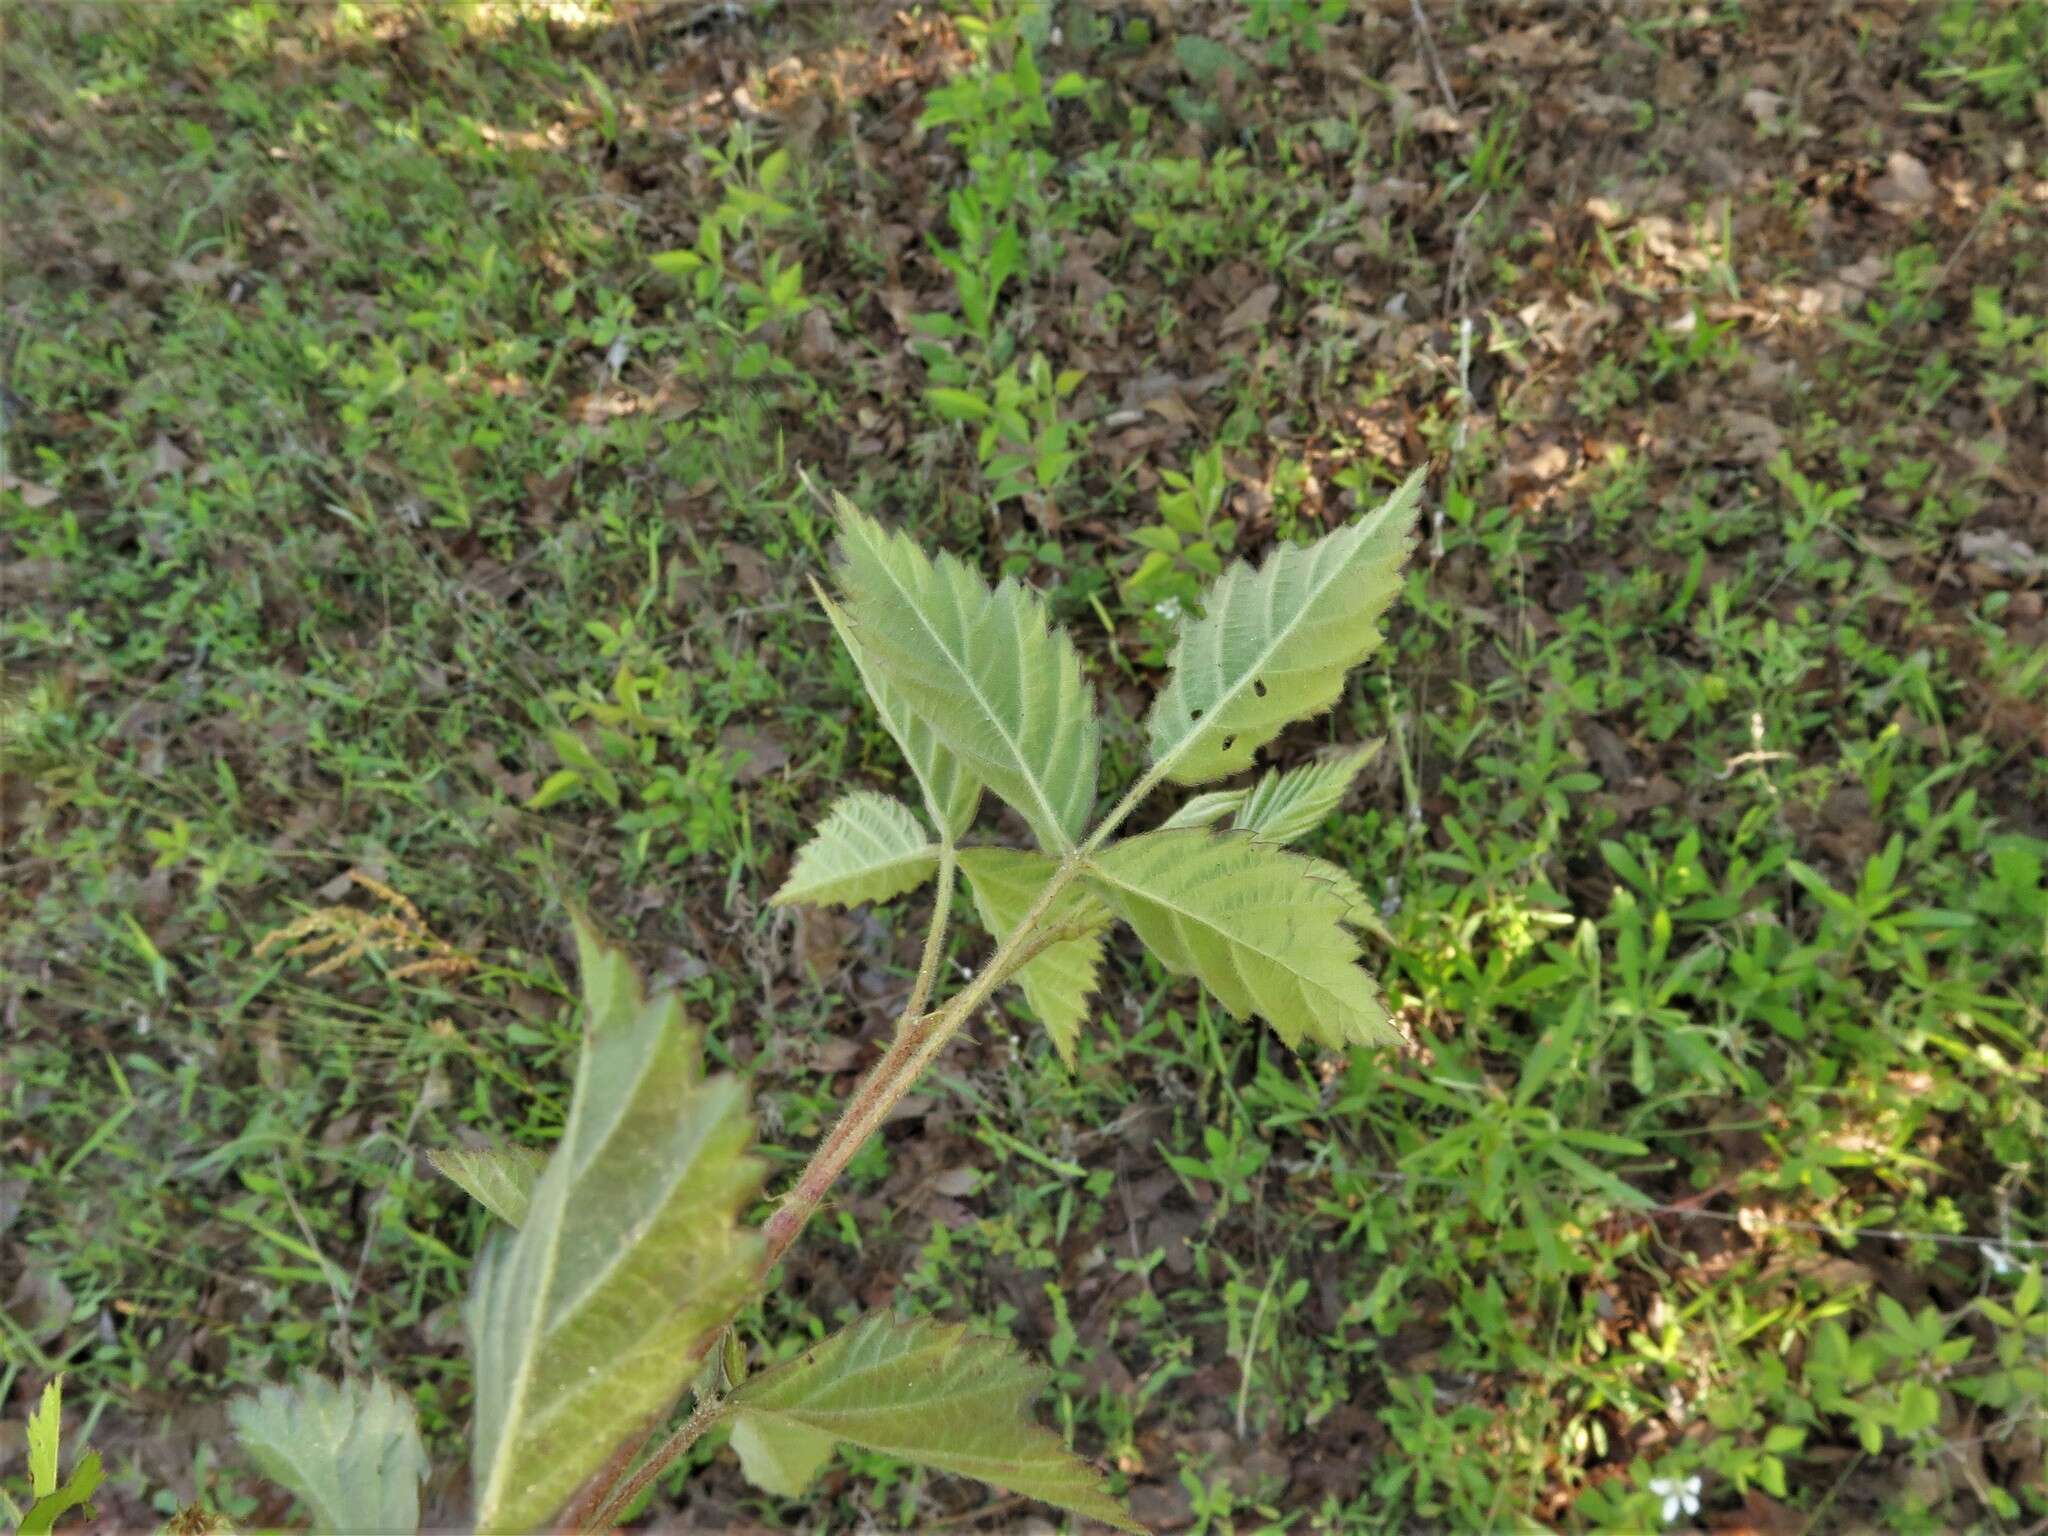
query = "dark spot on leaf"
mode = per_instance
[
  {"x": 1259, "y": 686},
  {"x": 1194, "y": 714},
  {"x": 1229, "y": 742}
]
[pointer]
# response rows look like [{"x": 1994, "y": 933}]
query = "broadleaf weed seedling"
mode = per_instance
[{"x": 610, "y": 1283}]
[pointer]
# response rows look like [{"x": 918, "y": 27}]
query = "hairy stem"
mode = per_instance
[
  {"x": 920, "y": 1036},
  {"x": 1133, "y": 798},
  {"x": 581, "y": 1515},
  {"x": 918, "y": 1040},
  {"x": 935, "y": 940},
  {"x": 665, "y": 1454}
]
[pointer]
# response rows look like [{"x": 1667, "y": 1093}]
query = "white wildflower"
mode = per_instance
[{"x": 1681, "y": 1496}]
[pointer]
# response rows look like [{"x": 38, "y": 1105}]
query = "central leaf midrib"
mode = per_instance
[
  {"x": 1212, "y": 713},
  {"x": 919, "y": 750},
  {"x": 973, "y": 687},
  {"x": 1231, "y": 944}
]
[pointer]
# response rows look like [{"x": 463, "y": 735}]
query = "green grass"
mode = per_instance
[{"x": 376, "y": 500}]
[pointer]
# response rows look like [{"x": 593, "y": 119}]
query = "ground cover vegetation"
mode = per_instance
[{"x": 404, "y": 529}]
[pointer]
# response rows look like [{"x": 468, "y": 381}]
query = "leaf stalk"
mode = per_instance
[{"x": 920, "y": 1036}]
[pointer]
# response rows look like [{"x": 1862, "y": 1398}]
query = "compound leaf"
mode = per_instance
[
  {"x": 1285, "y": 807},
  {"x": 1263, "y": 930},
  {"x": 951, "y": 793},
  {"x": 587, "y": 1322},
  {"x": 1057, "y": 982},
  {"x": 922, "y": 1392},
  {"x": 869, "y": 848},
  {"x": 351, "y": 1452},
  {"x": 982, "y": 667},
  {"x": 500, "y": 1179},
  {"x": 1275, "y": 642}
]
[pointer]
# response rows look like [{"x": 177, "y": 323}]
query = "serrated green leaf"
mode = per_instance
[
  {"x": 500, "y": 1179},
  {"x": 1275, "y": 642},
  {"x": 45, "y": 1429},
  {"x": 45, "y": 1432},
  {"x": 926, "y": 1393},
  {"x": 77, "y": 1491},
  {"x": 869, "y": 848},
  {"x": 1205, "y": 809},
  {"x": 951, "y": 793},
  {"x": 1057, "y": 982},
  {"x": 586, "y": 1323},
  {"x": 1263, "y": 930},
  {"x": 351, "y": 1453},
  {"x": 1285, "y": 807},
  {"x": 983, "y": 668}
]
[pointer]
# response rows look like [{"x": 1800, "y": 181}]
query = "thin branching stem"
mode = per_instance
[
  {"x": 687, "y": 1434},
  {"x": 935, "y": 940},
  {"x": 920, "y": 1037}
]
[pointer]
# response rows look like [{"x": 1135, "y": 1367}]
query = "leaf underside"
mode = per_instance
[
  {"x": 351, "y": 1452},
  {"x": 951, "y": 793},
  {"x": 982, "y": 668},
  {"x": 500, "y": 1179},
  {"x": 780, "y": 1456},
  {"x": 921, "y": 1391},
  {"x": 1206, "y": 809},
  {"x": 586, "y": 1324},
  {"x": 1286, "y": 807},
  {"x": 1262, "y": 929},
  {"x": 1058, "y": 981},
  {"x": 1275, "y": 642},
  {"x": 869, "y": 848}
]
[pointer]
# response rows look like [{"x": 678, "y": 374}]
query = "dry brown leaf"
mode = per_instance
[
  {"x": 1905, "y": 188},
  {"x": 755, "y": 756},
  {"x": 32, "y": 495},
  {"x": 1253, "y": 312},
  {"x": 2001, "y": 550},
  {"x": 751, "y": 573},
  {"x": 1754, "y": 437},
  {"x": 166, "y": 457},
  {"x": 1765, "y": 107}
]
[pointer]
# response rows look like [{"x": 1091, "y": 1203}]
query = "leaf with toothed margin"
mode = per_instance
[
  {"x": 1058, "y": 981},
  {"x": 1286, "y": 807},
  {"x": 1205, "y": 810},
  {"x": 982, "y": 667},
  {"x": 1273, "y": 644},
  {"x": 868, "y": 848},
  {"x": 1262, "y": 929},
  {"x": 951, "y": 793},
  {"x": 351, "y": 1452},
  {"x": 500, "y": 1179},
  {"x": 922, "y": 1392},
  {"x": 586, "y": 1323}
]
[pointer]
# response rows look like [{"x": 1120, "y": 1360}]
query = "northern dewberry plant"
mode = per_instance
[{"x": 610, "y": 1289}]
